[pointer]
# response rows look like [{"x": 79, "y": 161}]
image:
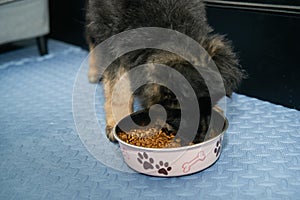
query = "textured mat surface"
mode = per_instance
[{"x": 42, "y": 156}]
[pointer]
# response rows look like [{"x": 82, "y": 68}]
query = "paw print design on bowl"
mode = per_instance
[
  {"x": 144, "y": 159},
  {"x": 218, "y": 147},
  {"x": 163, "y": 168},
  {"x": 148, "y": 163}
]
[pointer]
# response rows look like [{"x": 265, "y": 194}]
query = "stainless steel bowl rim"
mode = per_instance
[{"x": 177, "y": 148}]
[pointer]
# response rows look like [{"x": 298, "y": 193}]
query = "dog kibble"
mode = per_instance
[{"x": 151, "y": 138}]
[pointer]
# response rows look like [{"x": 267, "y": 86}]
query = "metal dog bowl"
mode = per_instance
[{"x": 168, "y": 162}]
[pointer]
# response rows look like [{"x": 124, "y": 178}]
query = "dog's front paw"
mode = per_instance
[
  {"x": 110, "y": 134},
  {"x": 93, "y": 76}
]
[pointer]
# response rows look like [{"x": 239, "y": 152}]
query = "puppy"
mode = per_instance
[{"x": 106, "y": 18}]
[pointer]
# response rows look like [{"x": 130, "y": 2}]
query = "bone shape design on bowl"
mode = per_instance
[{"x": 187, "y": 165}]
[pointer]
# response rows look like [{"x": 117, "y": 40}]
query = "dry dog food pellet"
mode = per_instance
[{"x": 151, "y": 138}]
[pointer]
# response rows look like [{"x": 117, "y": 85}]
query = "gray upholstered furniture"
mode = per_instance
[{"x": 24, "y": 19}]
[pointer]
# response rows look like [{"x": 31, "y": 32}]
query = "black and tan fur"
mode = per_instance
[{"x": 106, "y": 18}]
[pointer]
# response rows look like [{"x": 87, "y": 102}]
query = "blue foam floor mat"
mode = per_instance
[{"x": 42, "y": 156}]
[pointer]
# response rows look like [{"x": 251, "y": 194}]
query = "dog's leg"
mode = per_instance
[
  {"x": 115, "y": 105},
  {"x": 110, "y": 122},
  {"x": 94, "y": 74}
]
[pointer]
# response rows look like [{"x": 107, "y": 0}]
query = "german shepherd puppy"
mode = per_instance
[{"x": 106, "y": 18}]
